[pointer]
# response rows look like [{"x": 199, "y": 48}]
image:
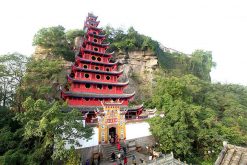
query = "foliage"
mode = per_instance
[
  {"x": 199, "y": 63},
  {"x": 12, "y": 68},
  {"x": 72, "y": 34},
  {"x": 42, "y": 79},
  {"x": 44, "y": 127},
  {"x": 31, "y": 134},
  {"x": 193, "y": 122},
  {"x": 127, "y": 41},
  {"x": 57, "y": 41}
]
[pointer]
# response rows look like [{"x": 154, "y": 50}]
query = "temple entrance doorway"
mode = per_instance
[
  {"x": 112, "y": 134},
  {"x": 112, "y": 131}
]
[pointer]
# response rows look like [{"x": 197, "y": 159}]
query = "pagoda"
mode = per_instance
[{"x": 94, "y": 87}]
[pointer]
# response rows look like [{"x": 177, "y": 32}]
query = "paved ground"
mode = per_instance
[{"x": 138, "y": 156}]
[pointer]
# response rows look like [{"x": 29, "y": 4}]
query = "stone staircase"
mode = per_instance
[{"x": 107, "y": 150}]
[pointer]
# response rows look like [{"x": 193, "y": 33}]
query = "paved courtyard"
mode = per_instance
[{"x": 138, "y": 156}]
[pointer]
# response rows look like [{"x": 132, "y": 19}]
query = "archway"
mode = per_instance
[{"x": 112, "y": 131}]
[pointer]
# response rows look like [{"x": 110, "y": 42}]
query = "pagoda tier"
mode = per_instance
[
  {"x": 87, "y": 61},
  {"x": 96, "y": 50},
  {"x": 93, "y": 77},
  {"x": 93, "y": 99}
]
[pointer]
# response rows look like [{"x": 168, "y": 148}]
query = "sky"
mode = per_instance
[{"x": 219, "y": 26}]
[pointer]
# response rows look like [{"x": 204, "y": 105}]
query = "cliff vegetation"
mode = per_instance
[{"x": 195, "y": 114}]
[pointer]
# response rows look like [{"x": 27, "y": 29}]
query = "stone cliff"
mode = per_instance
[
  {"x": 138, "y": 63},
  {"x": 139, "y": 68}
]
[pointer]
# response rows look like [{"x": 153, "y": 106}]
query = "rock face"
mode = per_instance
[
  {"x": 138, "y": 63},
  {"x": 139, "y": 68},
  {"x": 41, "y": 53}
]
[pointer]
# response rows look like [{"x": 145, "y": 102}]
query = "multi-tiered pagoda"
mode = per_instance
[{"x": 94, "y": 86}]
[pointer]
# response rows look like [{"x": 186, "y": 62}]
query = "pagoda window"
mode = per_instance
[
  {"x": 108, "y": 77},
  {"x": 87, "y": 85},
  {"x": 97, "y": 76},
  {"x": 87, "y": 99},
  {"x": 99, "y": 59},
  {"x": 85, "y": 66},
  {"x": 93, "y": 58},
  {"x": 99, "y": 86},
  {"x": 107, "y": 69},
  {"x": 96, "y": 49},
  {"x": 100, "y": 99},
  {"x": 114, "y": 99},
  {"x": 86, "y": 75},
  {"x": 110, "y": 87},
  {"x": 96, "y": 68},
  {"x": 95, "y": 40},
  {"x": 94, "y": 33}
]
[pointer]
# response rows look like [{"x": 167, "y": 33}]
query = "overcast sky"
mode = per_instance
[{"x": 219, "y": 26}]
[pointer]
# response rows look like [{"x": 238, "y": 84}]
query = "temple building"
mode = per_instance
[{"x": 94, "y": 88}]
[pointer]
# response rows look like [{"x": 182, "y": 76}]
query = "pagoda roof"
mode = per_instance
[
  {"x": 92, "y": 15},
  {"x": 99, "y": 82},
  {"x": 99, "y": 71},
  {"x": 97, "y": 44},
  {"x": 93, "y": 108},
  {"x": 95, "y": 52},
  {"x": 92, "y": 21},
  {"x": 96, "y": 95},
  {"x": 92, "y": 27},
  {"x": 135, "y": 107},
  {"x": 96, "y": 62},
  {"x": 97, "y": 35}
]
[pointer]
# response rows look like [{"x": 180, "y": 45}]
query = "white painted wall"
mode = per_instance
[
  {"x": 94, "y": 141},
  {"x": 137, "y": 130}
]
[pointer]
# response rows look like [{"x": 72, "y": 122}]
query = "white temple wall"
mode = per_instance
[
  {"x": 94, "y": 141},
  {"x": 137, "y": 130}
]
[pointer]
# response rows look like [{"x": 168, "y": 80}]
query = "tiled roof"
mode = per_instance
[
  {"x": 94, "y": 95},
  {"x": 100, "y": 71},
  {"x": 232, "y": 155},
  {"x": 99, "y": 82}
]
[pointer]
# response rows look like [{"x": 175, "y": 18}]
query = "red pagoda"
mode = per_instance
[{"x": 94, "y": 87}]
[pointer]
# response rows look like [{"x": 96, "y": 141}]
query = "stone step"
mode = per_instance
[{"x": 109, "y": 148}]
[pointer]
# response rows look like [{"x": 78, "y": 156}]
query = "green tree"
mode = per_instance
[
  {"x": 45, "y": 131},
  {"x": 72, "y": 34},
  {"x": 188, "y": 128},
  {"x": 54, "y": 39},
  {"x": 12, "y": 69}
]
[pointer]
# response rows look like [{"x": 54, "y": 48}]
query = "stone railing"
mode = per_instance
[{"x": 166, "y": 160}]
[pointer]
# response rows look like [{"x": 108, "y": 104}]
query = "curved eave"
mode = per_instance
[
  {"x": 97, "y": 35},
  {"x": 97, "y": 53},
  {"x": 90, "y": 108},
  {"x": 96, "y": 82},
  {"x": 92, "y": 15},
  {"x": 92, "y": 21},
  {"x": 135, "y": 108},
  {"x": 94, "y": 95},
  {"x": 96, "y": 62},
  {"x": 97, "y": 44},
  {"x": 92, "y": 27},
  {"x": 99, "y": 71}
]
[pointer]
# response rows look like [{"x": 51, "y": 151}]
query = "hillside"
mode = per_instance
[{"x": 198, "y": 115}]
